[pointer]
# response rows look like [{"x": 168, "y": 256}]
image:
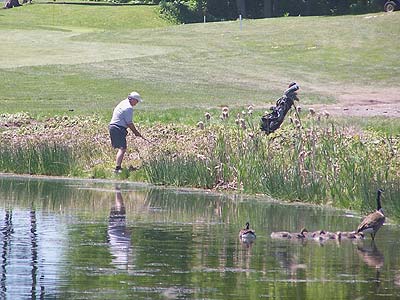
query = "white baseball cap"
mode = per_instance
[{"x": 135, "y": 95}]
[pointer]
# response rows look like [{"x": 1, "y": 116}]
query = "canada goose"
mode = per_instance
[
  {"x": 281, "y": 235},
  {"x": 333, "y": 235},
  {"x": 247, "y": 233},
  {"x": 317, "y": 233},
  {"x": 359, "y": 236},
  {"x": 373, "y": 221},
  {"x": 352, "y": 235},
  {"x": 319, "y": 238},
  {"x": 289, "y": 235},
  {"x": 323, "y": 235},
  {"x": 301, "y": 234}
]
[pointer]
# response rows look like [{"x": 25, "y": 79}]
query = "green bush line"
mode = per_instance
[{"x": 190, "y": 11}]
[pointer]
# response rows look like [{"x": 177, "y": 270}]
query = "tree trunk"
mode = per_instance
[
  {"x": 268, "y": 8},
  {"x": 11, "y": 3},
  {"x": 241, "y": 7}
]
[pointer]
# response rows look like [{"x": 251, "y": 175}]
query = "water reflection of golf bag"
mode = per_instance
[{"x": 273, "y": 120}]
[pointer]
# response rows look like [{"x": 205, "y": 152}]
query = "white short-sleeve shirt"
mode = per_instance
[{"x": 123, "y": 114}]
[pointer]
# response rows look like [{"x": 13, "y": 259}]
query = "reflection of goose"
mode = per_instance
[
  {"x": 372, "y": 258},
  {"x": 247, "y": 233},
  {"x": 397, "y": 279},
  {"x": 373, "y": 221},
  {"x": 288, "y": 261},
  {"x": 371, "y": 255}
]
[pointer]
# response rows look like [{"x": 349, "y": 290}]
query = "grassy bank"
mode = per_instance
[
  {"x": 320, "y": 162},
  {"x": 64, "y": 17}
]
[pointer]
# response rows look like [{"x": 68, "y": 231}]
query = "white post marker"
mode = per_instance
[
  {"x": 204, "y": 19},
  {"x": 240, "y": 21}
]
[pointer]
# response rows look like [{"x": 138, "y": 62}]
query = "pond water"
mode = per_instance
[{"x": 72, "y": 239}]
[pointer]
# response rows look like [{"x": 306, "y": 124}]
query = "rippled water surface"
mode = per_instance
[{"x": 70, "y": 239}]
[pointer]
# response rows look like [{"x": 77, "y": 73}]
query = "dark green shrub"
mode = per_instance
[
  {"x": 189, "y": 11},
  {"x": 181, "y": 11}
]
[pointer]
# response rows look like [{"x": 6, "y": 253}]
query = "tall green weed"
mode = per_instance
[
  {"x": 317, "y": 162},
  {"x": 39, "y": 158}
]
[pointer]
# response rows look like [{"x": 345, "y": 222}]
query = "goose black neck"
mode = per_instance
[{"x": 378, "y": 200}]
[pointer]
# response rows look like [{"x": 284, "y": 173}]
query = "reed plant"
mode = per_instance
[
  {"x": 181, "y": 171},
  {"x": 58, "y": 146},
  {"x": 315, "y": 161},
  {"x": 37, "y": 158}
]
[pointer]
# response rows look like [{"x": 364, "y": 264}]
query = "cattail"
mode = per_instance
[
  {"x": 298, "y": 109},
  {"x": 225, "y": 109},
  {"x": 207, "y": 116},
  {"x": 243, "y": 123},
  {"x": 201, "y": 157},
  {"x": 302, "y": 155},
  {"x": 200, "y": 125},
  {"x": 312, "y": 111}
]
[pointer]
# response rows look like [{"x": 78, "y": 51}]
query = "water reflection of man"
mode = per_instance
[
  {"x": 6, "y": 232},
  {"x": 119, "y": 236}
]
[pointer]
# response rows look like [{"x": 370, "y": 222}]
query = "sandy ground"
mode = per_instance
[{"x": 364, "y": 103}]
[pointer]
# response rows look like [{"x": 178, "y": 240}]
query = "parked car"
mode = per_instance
[{"x": 391, "y": 5}]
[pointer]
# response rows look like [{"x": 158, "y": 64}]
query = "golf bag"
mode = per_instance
[{"x": 273, "y": 120}]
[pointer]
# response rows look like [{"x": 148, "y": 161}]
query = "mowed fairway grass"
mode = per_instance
[{"x": 81, "y": 59}]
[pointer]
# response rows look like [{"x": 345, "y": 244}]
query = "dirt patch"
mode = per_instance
[{"x": 364, "y": 103}]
